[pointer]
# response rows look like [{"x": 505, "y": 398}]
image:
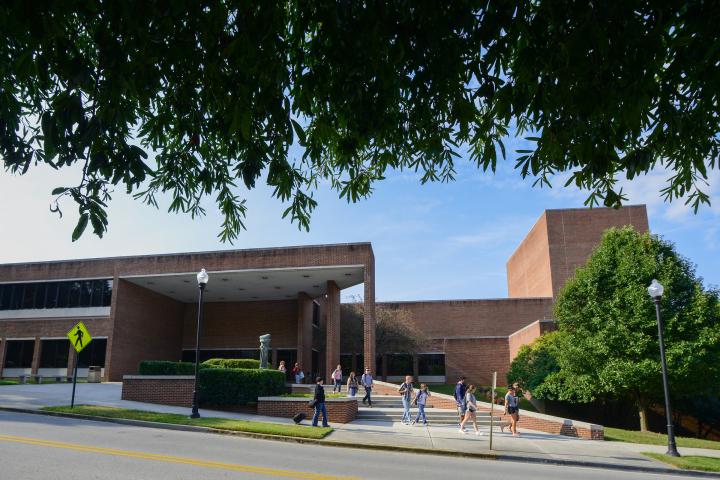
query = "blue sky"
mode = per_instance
[{"x": 436, "y": 241}]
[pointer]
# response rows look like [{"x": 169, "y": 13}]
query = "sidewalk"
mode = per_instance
[{"x": 530, "y": 446}]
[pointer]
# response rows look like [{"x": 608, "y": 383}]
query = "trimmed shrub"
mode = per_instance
[
  {"x": 165, "y": 367},
  {"x": 232, "y": 363},
  {"x": 237, "y": 386}
]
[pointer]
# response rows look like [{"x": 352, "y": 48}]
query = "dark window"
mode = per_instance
[
  {"x": 74, "y": 296},
  {"x": 431, "y": 364},
  {"x": 51, "y": 296},
  {"x": 346, "y": 363},
  {"x": 54, "y": 353},
  {"x": 97, "y": 293},
  {"x": 63, "y": 294},
  {"x": 86, "y": 293},
  {"x": 107, "y": 292},
  {"x": 40, "y": 290},
  {"x": 94, "y": 354},
  {"x": 399, "y": 364},
  {"x": 5, "y": 294},
  {"x": 19, "y": 353},
  {"x": 17, "y": 297},
  {"x": 29, "y": 296},
  {"x": 290, "y": 356}
]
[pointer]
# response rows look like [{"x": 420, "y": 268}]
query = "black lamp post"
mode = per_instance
[
  {"x": 202, "y": 279},
  {"x": 655, "y": 290}
]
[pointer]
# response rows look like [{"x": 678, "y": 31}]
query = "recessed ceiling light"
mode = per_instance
[
  {"x": 241, "y": 288},
  {"x": 264, "y": 277},
  {"x": 348, "y": 274},
  {"x": 254, "y": 297},
  {"x": 186, "y": 281},
  {"x": 171, "y": 291},
  {"x": 288, "y": 296},
  {"x": 316, "y": 286},
  {"x": 224, "y": 279},
  {"x": 306, "y": 276},
  {"x": 151, "y": 283},
  {"x": 277, "y": 288},
  {"x": 222, "y": 298}
]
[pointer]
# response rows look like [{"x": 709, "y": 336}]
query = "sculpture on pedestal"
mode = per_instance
[{"x": 264, "y": 350}]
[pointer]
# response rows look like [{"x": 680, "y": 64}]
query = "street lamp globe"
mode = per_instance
[
  {"x": 655, "y": 290},
  {"x": 202, "y": 277}
]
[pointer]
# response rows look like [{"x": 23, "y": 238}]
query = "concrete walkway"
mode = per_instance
[{"x": 530, "y": 446}]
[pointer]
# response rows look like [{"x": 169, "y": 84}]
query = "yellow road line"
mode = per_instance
[{"x": 170, "y": 459}]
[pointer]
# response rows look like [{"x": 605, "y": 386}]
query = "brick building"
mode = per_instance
[{"x": 144, "y": 307}]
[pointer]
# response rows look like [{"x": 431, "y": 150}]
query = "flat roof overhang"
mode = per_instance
[{"x": 252, "y": 284}]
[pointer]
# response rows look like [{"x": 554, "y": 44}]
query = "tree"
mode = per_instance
[
  {"x": 534, "y": 362},
  {"x": 395, "y": 331},
  {"x": 206, "y": 98},
  {"x": 608, "y": 341}
]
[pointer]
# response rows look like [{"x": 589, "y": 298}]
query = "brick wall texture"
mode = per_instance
[
  {"x": 339, "y": 410},
  {"x": 176, "y": 391}
]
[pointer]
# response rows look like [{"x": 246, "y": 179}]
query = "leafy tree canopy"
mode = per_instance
[
  {"x": 205, "y": 98},
  {"x": 608, "y": 339},
  {"x": 535, "y": 362}
]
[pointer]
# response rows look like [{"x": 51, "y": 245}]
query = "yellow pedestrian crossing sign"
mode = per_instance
[{"x": 79, "y": 336}]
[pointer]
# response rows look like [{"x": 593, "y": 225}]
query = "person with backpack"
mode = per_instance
[
  {"x": 337, "y": 379},
  {"x": 407, "y": 393},
  {"x": 319, "y": 403},
  {"x": 352, "y": 384},
  {"x": 460, "y": 390},
  {"x": 367, "y": 382},
  {"x": 420, "y": 401},
  {"x": 470, "y": 410}
]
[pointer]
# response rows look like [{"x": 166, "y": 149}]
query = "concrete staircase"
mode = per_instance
[{"x": 388, "y": 408}]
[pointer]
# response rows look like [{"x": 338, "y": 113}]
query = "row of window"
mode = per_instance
[
  {"x": 53, "y": 353},
  {"x": 64, "y": 294}
]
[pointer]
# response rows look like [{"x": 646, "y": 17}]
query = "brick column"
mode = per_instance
[
  {"x": 304, "y": 332},
  {"x": 3, "y": 349},
  {"x": 332, "y": 342},
  {"x": 71, "y": 360},
  {"x": 36, "y": 356},
  {"x": 369, "y": 314}
]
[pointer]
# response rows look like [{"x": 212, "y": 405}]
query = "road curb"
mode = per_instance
[{"x": 369, "y": 446}]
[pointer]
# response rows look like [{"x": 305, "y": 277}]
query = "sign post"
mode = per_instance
[
  {"x": 492, "y": 405},
  {"x": 79, "y": 338}
]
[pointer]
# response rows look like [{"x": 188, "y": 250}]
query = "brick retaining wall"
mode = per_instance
[
  {"x": 340, "y": 410},
  {"x": 163, "y": 389}
]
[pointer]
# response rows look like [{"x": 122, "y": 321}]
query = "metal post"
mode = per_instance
[
  {"x": 72, "y": 399},
  {"x": 492, "y": 406},
  {"x": 672, "y": 449},
  {"x": 195, "y": 413}
]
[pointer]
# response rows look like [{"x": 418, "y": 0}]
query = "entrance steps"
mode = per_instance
[{"x": 388, "y": 408}]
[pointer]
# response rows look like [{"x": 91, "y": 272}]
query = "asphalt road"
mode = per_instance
[{"x": 35, "y": 447}]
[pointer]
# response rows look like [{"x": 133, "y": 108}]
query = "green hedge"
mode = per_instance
[
  {"x": 232, "y": 363},
  {"x": 165, "y": 367},
  {"x": 236, "y": 386}
]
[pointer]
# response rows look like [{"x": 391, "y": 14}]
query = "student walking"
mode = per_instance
[
  {"x": 460, "y": 390},
  {"x": 367, "y": 382},
  {"x": 352, "y": 384},
  {"x": 420, "y": 401},
  {"x": 406, "y": 392},
  {"x": 298, "y": 373},
  {"x": 512, "y": 409},
  {"x": 470, "y": 410},
  {"x": 337, "y": 379},
  {"x": 319, "y": 403}
]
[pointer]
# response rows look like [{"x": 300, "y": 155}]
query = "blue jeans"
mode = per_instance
[
  {"x": 406, "y": 409},
  {"x": 320, "y": 408},
  {"x": 353, "y": 391},
  {"x": 421, "y": 413},
  {"x": 337, "y": 384}
]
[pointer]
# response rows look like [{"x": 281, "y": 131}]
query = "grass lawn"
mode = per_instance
[
  {"x": 300, "y": 431},
  {"x": 652, "y": 438},
  {"x": 8, "y": 382},
  {"x": 708, "y": 464}
]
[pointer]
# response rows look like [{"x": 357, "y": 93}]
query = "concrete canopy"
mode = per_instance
[{"x": 252, "y": 284}]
